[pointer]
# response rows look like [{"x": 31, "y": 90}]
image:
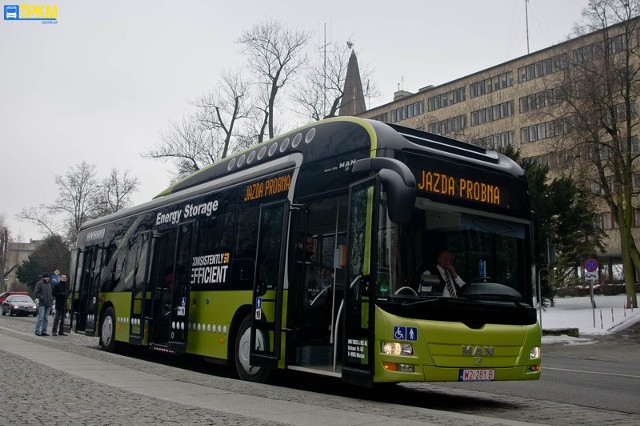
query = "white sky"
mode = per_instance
[{"x": 103, "y": 83}]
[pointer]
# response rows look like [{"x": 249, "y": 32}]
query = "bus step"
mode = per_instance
[{"x": 314, "y": 355}]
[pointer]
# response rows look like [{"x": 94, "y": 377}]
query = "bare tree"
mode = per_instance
[
  {"x": 41, "y": 217},
  {"x": 81, "y": 197},
  {"x": 321, "y": 90},
  {"x": 78, "y": 192},
  {"x": 221, "y": 110},
  {"x": 187, "y": 144},
  {"x": 205, "y": 136},
  {"x": 600, "y": 120},
  {"x": 275, "y": 55},
  {"x": 115, "y": 191}
]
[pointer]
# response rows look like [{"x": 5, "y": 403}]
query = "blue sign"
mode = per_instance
[
  {"x": 11, "y": 12},
  {"x": 412, "y": 333},
  {"x": 405, "y": 333},
  {"x": 258, "y": 302},
  {"x": 399, "y": 333}
]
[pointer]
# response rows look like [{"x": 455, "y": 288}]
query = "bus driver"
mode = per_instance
[{"x": 448, "y": 275}]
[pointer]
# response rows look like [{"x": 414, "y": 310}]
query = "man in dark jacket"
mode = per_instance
[
  {"x": 60, "y": 291},
  {"x": 43, "y": 295}
]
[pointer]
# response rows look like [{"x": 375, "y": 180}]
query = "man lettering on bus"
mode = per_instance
[{"x": 448, "y": 276}]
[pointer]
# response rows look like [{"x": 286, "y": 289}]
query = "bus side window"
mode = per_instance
[{"x": 245, "y": 248}]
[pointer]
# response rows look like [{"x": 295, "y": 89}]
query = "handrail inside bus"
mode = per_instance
[{"x": 335, "y": 329}]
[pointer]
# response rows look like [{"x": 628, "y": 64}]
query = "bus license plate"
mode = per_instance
[{"x": 467, "y": 375}]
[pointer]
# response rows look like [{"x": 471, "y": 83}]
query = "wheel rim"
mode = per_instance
[
  {"x": 244, "y": 350},
  {"x": 107, "y": 330}
]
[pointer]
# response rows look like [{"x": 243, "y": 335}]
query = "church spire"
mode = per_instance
[{"x": 352, "y": 95}]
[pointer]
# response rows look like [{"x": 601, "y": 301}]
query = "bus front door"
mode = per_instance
[
  {"x": 169, "y": 289},
  {"x": 87, "y": 303},
  {"x": 359, "y": 339},
  {"x": 266, "y": 328}
]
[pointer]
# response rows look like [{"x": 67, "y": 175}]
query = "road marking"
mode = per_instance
[{"x": 592, "y": 372}]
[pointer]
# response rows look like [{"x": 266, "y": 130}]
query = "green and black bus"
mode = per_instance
[{"x": 315, "y": 251}]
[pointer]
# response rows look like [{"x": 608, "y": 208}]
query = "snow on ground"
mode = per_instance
[{"x": 576, "y": 312}]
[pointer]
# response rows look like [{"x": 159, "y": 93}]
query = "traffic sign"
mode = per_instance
[{"x": 591, "y": 265}]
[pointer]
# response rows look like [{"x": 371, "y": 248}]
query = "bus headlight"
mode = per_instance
[
  {"x": 395, "y": 348},
  {"x": 534, "y": 353}
]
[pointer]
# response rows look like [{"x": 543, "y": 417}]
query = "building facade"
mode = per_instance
[
  {"x": 510, "y": 104},
  {"x": 17, "y": 254}
]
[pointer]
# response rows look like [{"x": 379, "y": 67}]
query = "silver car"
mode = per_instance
[{"x": 19, "y": 305}]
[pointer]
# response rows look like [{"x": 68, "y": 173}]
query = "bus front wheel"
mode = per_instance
[
  {"x": 246, "y": 371},
  {"x": 108, "y": 330}
]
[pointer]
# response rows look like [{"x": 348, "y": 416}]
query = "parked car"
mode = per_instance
[
  {"x": 19, "y": 304},
  {"x": 10, "y": 293}
]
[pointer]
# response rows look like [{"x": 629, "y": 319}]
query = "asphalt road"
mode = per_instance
[{"x": 585, "y": 393}]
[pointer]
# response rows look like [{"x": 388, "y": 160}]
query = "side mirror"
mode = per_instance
[{"x": 398, "y": 182}]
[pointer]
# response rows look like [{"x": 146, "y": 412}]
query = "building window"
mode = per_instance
[
  {"x": 381, "y": 117},
  {"x": 449, "y": 125},
  {"x": 542, "y": 68},
  {"x": 491, "y": 84},
  {"x": 500, "y": 140},
  {"x": 445, "y": 99},
  {"x": 540, "y": 100},
  {"x": 492, "y": 113},
  {"x": 407, "y": 111},
  {"x": 607, "y": 221},
  {"x": 597, "y": 50},
  {"x": 540, "y": 131},
  {"x": 636, "y": 217}
]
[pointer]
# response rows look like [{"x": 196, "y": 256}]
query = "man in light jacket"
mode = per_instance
[{"x": 44, "y": 297}]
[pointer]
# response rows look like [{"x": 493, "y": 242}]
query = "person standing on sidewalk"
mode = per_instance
[
  {"x": 60, "y": 291},
  {"x": 44, "y": 297}
]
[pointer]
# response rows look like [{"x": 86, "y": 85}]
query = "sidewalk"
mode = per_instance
[{"x": 218, "y": 405}]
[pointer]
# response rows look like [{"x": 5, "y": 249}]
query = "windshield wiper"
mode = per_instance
[
  {"x": 507, "y": 298},
  {"x": 436, "y": 298}
]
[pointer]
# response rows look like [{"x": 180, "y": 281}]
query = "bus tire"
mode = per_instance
[
  {"x": 242, "y": 350},
  {"x": 108, "y": 330}
]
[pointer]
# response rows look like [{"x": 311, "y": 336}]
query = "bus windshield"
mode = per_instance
[{"x": 488, "y": 253}]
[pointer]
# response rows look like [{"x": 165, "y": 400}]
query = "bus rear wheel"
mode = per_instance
[
  {"x": 245, "y": 370},
  {"x": 108, "y": 330}
]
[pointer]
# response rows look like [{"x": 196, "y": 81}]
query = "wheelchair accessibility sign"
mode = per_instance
[{"x": 405, "y": 333}]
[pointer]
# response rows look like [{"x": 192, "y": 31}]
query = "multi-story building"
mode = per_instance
[
  {"x": 17, "y": 254},
  {"x": 506, "y": 104}
]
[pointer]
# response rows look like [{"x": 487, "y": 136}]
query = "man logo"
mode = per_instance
[{"x": 478, "y": 351}]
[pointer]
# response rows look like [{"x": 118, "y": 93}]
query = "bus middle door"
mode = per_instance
[
  {"x": 139, "y": 290},
  {"x": 170, "y": 281},
  {"x": 266, "y": 327}
]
